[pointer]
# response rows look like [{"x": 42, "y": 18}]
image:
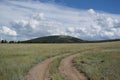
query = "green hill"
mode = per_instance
[{"x": 55, "y": 39}]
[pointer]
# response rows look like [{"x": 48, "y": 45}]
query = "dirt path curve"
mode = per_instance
[
  {"x": 68, "y": 71},
  {"x": 39, "y": 72}
]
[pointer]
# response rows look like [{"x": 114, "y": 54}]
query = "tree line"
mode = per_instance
[{"x": 5, "y": 41}]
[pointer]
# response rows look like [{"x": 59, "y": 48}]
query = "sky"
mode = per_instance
[
  {"x": 111, "y": 6},
  {"x": 84, "y": 19}
]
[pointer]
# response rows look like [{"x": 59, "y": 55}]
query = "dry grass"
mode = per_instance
[
  {"x": 102, "y": 63},
  {"x": 54, "y": 71},
  {"x": 17, "y": 59}
]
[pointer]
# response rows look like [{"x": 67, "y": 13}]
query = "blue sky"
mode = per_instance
[
  {"x": 103, "y": 5},
  {"x": 111, "y": 6},
  {"x": 85, "y": 19}
]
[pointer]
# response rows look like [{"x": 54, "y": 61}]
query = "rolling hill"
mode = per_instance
[
  {"x": 55, "y": 39},
  {"x": 63, "y": 39}
]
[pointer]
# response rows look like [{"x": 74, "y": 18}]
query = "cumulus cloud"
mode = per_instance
[
  {"x": 91, "y": 11},
  {"x": 7, "y": 31},
  {"x": 43, "y": 19}
]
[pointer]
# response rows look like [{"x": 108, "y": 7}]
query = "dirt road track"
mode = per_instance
[
  {"x": 40, "y": 70},
  {"x": 68, "y": 71}
]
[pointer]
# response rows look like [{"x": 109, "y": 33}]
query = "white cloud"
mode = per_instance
[
  {"x": 7, "y": 31},
  {"x": 91, "y": 11},
  {"x": 31, "y": 19},
  {"x": 39, "y": 16}
]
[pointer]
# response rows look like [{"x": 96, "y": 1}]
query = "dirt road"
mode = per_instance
[
  {"x": 68, "y": 71},
  {"x": 39, "y": 72}
]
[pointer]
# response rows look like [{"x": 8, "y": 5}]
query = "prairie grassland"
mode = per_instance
[
  {"x": 17, "y": 59},
  {"x": 102, "y": 63}
]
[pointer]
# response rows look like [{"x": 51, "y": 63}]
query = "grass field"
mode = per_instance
[
  {"x": 17, "y": 59},
  {"x": 101, "y": 63}
]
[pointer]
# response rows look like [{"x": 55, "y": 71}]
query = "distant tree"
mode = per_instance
[
  {"x": 18, "y": 42},
  {"x": 11, "y": 41},
  {"x": 4, "y": 41}
]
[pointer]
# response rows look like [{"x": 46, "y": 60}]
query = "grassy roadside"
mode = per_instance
[{"x": 102, "y": 63}]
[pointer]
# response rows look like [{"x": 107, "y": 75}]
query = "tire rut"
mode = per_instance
[
  {"x": 68, "y": 71},
  {"x": 39, "y": 71}
]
